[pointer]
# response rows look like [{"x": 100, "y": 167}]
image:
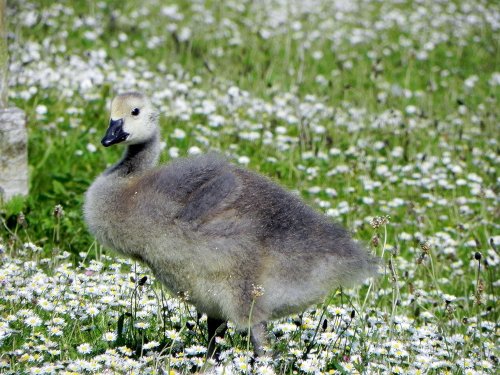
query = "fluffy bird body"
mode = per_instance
[{"x": 228, "y": 238}]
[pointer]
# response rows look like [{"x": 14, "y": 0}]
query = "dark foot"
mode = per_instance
[{"x": 216, "y": 328}]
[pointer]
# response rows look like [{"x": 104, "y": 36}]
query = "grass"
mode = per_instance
[{"x": 393, "y": 105}]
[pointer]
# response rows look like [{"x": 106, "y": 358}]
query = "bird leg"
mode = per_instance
[
  {"x": 258, "y": 336},
  {"x": 216, "y": 328}
]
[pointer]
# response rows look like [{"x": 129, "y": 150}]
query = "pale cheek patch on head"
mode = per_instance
[{"x": 139, "y": 128}]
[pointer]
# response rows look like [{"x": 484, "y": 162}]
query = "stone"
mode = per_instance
[{"x": 13, "y": 153}]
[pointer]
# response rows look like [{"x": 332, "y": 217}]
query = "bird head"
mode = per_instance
[{"x": 133, "y": 120}]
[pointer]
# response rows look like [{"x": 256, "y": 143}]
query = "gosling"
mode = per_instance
[{"x": 241, "y": 247}]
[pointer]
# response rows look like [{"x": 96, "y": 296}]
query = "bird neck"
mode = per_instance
[{"x": 138, "y": 157}]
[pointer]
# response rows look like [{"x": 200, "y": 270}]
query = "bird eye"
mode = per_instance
[{"x": 135, "y": 112}]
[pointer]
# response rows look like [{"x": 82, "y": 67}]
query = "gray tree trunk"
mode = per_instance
[
  {"x": 13, "y": 136},
  {"x": 4, "y": 57},
  {"x": 13, "y": 153}
]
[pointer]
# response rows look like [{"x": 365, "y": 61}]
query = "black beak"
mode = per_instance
[{"x": 115, "y": 133}]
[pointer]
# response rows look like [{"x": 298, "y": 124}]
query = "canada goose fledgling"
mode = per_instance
[{"x": 218, "y": 233}]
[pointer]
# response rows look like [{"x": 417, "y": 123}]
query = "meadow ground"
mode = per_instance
[{"x": 381, "y": 114}]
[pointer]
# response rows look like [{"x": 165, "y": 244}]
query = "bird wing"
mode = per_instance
[
  {"x": 201, "y": 186},
  {"x": 210, "y": 197}
]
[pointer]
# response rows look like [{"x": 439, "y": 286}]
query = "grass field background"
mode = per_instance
[{"x": 381, "y": 114}]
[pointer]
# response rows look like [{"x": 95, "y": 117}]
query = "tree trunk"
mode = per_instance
[
  {"x": 4, "y": 57},
  {"x": 13, "y": 153},
  {"x": 13, "y": 136}
]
